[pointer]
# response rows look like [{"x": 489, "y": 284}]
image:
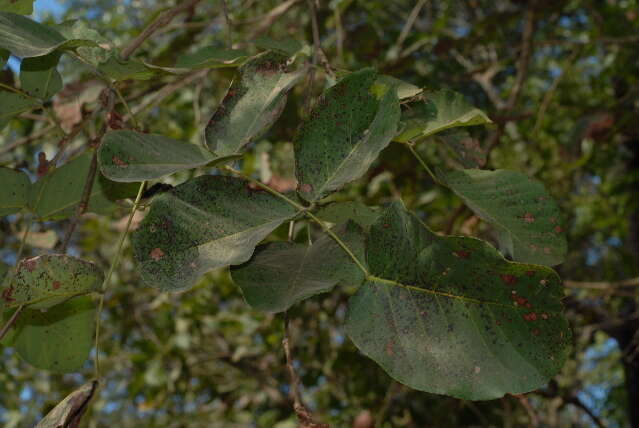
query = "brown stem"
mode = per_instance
[
  {"x": 163, "y": 19},
  {"x": 11, "y": 321},
  {"x": 304, "y": 416}
]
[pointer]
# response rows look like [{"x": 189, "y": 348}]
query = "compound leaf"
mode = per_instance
[
  {"x": 437, "y": 111},
  {"x": 131, "y": 156},
  {"x": 526, "y": 216},
  {"x": 50, "y": 279},
  {"x": 281, "y": 274},
  {"x": 252, "y": 103},
  {"x": 449, "y": 315},
  {"x": 206, "y": 223},
  {"x": 346, "y": 131}
]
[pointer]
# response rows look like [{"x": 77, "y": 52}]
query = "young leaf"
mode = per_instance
[
  {"x": 404, "y": 89},
  {"x": 131, "y": 156},
  {"x": 527, "y": 217},
  {"x": 117, "y": 69},
  {"x": 22, "y": 7},
  {"x": 206, "y": 223},
  {"x": 39, "y": 77},
  {"x": 211, "y": 57},
  {"x": 346, "y": 131},
  {"x": 69, "y": 412},
  {"x": 56, "y": 194},
  {"x": 341, "y": 212},
  {"x": 281, "y": 274},
  {"x": 14, "y": 192},
  {"x": 251, "y": 105},
  {"x": 439, "y": 110},
  {"x": 449, "y": 315},
  {"x": 26, "y": 38},
  {"x": 60, "y": 338},
  {"x": 50, "y": 279}
]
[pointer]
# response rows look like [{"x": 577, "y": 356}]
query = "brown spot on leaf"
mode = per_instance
[
  {"x": 56, "y": 285},
  {"x": 529, "y": 218},
  {"x": 389, "y": 348},
  {"x": 117, "y": 161},
  {"x": 558, "y": 229},
  {"x": 508, "y": 278},
  {"x": 544, "y": 316},
  {"x": 6, "y": 294},
  {"x": 462, "y": 254},
  {"x": 535, "y": 332},
  {"x": 521, "y": 301},
  {"x": 306, "y": 188},
  {"x": 530, "y": 273},
  {"x": 156, "y": 254},
  {"x": 530, "y": 316},
  {"x": 28, "y": 264}
]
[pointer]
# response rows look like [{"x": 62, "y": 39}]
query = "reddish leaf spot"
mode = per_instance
[
  {"x": 156, "y": 254},
  {"x": 498, "y": 322},
  {"x": 43, "y": 164},
  {"x": 306, "y": 188},
  {"x": 6, "y": 294},
  {"x": 386, "y": 225},
  {"x": 558, "y": 229},
  {"x": 535, "y": 331},
  {"x": 530, "y": 316},
  {"x": 28, "y": 264},
  {"x": 117, "y": 161},
  {"x": 56, "y": 285},
  {"x": 530, "y": 273},
  {"x": 521, "y": 301},
  {"x": 547, "y": 250},
  {"x": 389, "y": 348},
  {"x": 544, "y": 316},
  {"x": 508, "y": 278},
  {"x": 529, "y": 218},
  {"x": 462, "y": 254}
]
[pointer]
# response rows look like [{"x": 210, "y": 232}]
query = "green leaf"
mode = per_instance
[
  {"x": 438, "y": 110},
  {"x": 117, "y": 69},
  {"x": 206, "y": 223},
  {"x": 449, "y": 315},
  {"x": 527, "y": 217},
  {"x": 89, "y": 43},
  {"x": 345, "y": 133},
  {"x": 69, "y": 412},
  {"x": 50, "y": 279},
  {"x": 466, "y": 150},
  {"x": 14, "y": 192},
  {"x": 58, "y": 339},
  {"x": 56, "y": 194},
  {"x": 211, "y": 57},
  {"x": 13, "y": 104},
  {"x": 251, "y": 105},
  {"x": 26, "y": 38},
  {"x": 22, "y": 7},
  {"x": 341, "y": 212},
  {"x": 281, "y": 274},
  {"x": 4, "y": 269},
  {"x": 287, "y": 46},
  {"x": 133, "y": 156},
  {"x": 404, "y": 89},
  {"x": 4, "y": 57},
  {"x": 39, "y": 77}
]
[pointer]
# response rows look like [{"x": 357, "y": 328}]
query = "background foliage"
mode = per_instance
[{"x": 558, "y": 78}]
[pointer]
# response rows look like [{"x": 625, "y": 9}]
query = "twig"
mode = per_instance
[
  {"x": 386, "y": 404},
  {"x": 229, "y": 27},
  {"x": 10, "y": 322},
  {"x": 453, "y": 218},
  {"x": 524, "y": 57},
  {"x": 26, "y": 140},
  {"x": 523, "y": 400},
  {"x": 163, "y": 19},
  {"x": 423, "y": 163},
  {"x": 318, "y": 53},
  {"x": 575, "y": 401},
  {"x": 602, "y": 285},
  {"x": 412, "y": 17},
  {"x": 267, "y": 20},
  {"x": 107, "y": 278},
  {"x": 304, "y": 417}
]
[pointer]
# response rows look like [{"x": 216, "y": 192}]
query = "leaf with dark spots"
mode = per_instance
[
  {"x": 449, "y": 325},
  {"x": 350, "y": 125},
  {"x": 341, "y": 212},
  {"x": 525, "y": 215},
  {"x": 252, "y": 103},
  {"x": 466, "y": 150},
  {"x": 281, "y": 274},
  {"x": 39, "y": 77},
  {"x": 68, "y": 412},
  {"x": 130, "y": 156},
  {"x": 437, "y": 111},
  {"x": 57, "y": 193},
  {"x": 50, "y": 279},
  {"x": 204, "y": 224},
  {"x": 58, "y": 339},
  {"x": 14, "y": 192}
]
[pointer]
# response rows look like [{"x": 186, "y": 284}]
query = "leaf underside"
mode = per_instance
[{"x": 14, "y": 192}]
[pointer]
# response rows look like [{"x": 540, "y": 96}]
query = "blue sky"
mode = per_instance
[{"x": 55, "y": 7}]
